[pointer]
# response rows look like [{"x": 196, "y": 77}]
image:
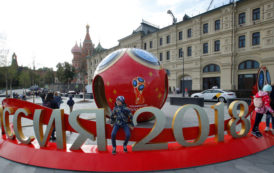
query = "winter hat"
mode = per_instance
[
  {"x": 267, "y": 88},
  {"x": 121, "y": 99}
]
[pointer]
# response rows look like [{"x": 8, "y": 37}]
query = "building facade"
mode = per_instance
[{"x": 223, "y": 47}]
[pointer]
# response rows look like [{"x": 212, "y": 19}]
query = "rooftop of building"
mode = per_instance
[
  {"x": 147, "y": 28},
  {"x": 76, "y": 49}
]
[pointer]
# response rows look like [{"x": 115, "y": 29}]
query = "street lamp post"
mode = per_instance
[{"x": 174, "y": 20}]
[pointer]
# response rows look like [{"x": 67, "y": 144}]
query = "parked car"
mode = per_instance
[
  {"x": 70, "y": 93},
  {"x": 215, "y": 95},
  {"x": 34, "y": 88}
]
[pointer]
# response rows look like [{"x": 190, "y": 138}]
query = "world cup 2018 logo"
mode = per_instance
[{"x": 139, "y": 86}]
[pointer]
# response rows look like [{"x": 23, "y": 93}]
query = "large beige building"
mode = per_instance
[{"x": 223, "y": 47}]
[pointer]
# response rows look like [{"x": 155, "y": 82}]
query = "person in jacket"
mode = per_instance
[
  {"x": 260, "y": 111},
  {"x": 70, "y": 103},
  {"x": 51, "y": 103},
  {"x": 269, "y": 116},
  {"x": 58, "y": 99},
  {"x": 121, "y": 117},
  {"x": 43, "y": 96}
]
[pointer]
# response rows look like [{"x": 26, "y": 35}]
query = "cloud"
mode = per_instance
[
  {"x": 3, "y": 36},
  {"x": 3, "y": 40},
  {"x": 47, "y": 29},
  {"x": 170, "y": 2}
]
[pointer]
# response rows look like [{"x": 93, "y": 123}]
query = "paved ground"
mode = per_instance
[{"x": 262, "y": 162}]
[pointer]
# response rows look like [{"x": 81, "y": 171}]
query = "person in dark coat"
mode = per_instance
[
  {"x": 58, "y": 99},
  {"x": 51, "y": 103},
  {"x": 70, "y": 103},
  {"x": 121, "y": 117},
  {"x": 43, "y": 96}
]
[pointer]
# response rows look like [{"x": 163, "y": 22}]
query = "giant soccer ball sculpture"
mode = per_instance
[{"x": 133, "y": 73}]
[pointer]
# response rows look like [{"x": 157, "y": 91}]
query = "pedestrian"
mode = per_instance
[
  {"x": 268, "y": 114},
  {"x": 174, "y": 90},
  {"x": 43, "y": 96},
  {"x": 177, "y": 90},
  {"x": 24, "y": 97},
  {"x": 58, "y": 99},
  {"x": 262, "y": 105},
  {"x": 121, "y": 117},
  {"x": 51, "y": 103},
  {"x": 70, "y": 103},
  {"x": 186, "y": 92}
]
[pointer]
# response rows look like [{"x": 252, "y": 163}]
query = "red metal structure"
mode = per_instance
[{"x": 90, "y": 159}]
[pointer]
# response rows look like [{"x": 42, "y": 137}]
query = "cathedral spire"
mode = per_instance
[
  {"x": 80, "y": 44},
  {"x": 87, "y": 38},
  {"x": 76, "y": 49},
  {"x": 14, "y": 60},
  {"x": 87, "y": 28}
]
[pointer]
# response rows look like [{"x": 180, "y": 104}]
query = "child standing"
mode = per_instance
[
  {"x": 260, "y": 111},
  {"x": 121, "y": 117},
  {"x": 268, "y": 114}
]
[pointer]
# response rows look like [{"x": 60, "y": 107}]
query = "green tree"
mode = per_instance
[
  {"x": 60, "y": 72},
  {"x": 69, "y": 72},
  {"x": 38, "y": 80},
  {"x": 24, "y": 79},
  {"x": 65, "y": 73},
  {"x": 34, "y": 78},
  {"x": 12, "y": 74},
  {"x": 82, "y": 75},
  {"x": 49, "y": 77},
  {"x": 2, "y": 77}
]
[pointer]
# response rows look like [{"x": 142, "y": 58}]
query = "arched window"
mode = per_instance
[
  {"x": 211, "y": 68},
  {"x": 249, "y": 64}
]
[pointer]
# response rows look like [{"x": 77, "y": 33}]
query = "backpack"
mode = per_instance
[
  {"x": 258, "y": 102},
  {"x": 70, "y": 102}
]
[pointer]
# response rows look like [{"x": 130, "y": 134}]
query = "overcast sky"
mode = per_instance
[{"x": 44, "y": 31}]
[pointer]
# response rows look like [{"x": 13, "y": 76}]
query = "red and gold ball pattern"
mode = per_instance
[{"x": 133, "y": 73}]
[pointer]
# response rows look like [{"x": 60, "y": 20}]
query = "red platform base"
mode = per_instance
[{"x": 89, "y": 159}]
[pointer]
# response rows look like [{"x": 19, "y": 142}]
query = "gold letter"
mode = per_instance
[
  {"x": 1, "y": 120},
  {"x": 83, "y": 133},
  {"x": 6, "y": 123},
  {"x": 57, "y": 116},
  {"x": 18, "y": 126}
]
